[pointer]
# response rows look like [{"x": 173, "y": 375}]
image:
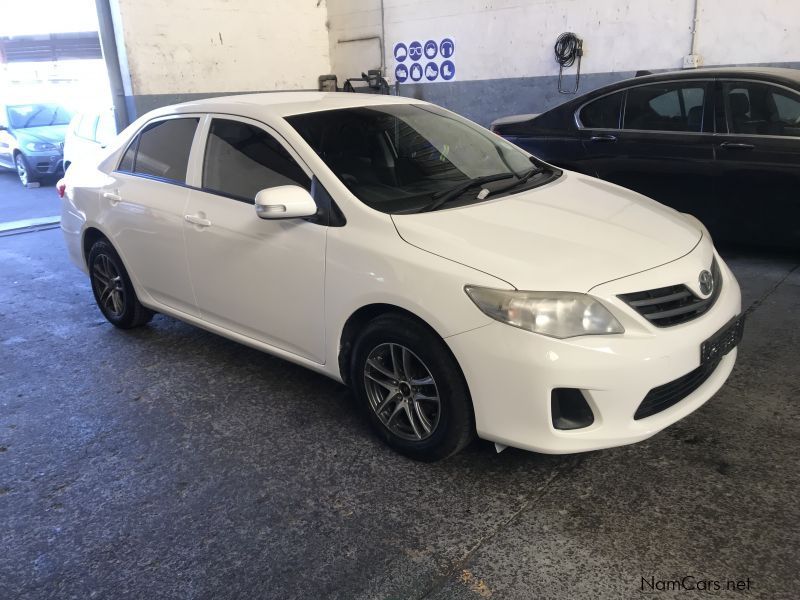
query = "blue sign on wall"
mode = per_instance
[
  {"x": 431, "y": 71},
  {"x": 432, "y": 60},
  {"x": 400, "y": 52},
  {"x": 415, "y": 50},
  {"x": 447, "y": 70},
  {"x": 431, "y": 49},
  {"x": 401, "y": 73},
  {"x": 447, "y": 48}
]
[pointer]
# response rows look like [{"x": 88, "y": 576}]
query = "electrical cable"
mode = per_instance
[{"x": 568, "y": 49}]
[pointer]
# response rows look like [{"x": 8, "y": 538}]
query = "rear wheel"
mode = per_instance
[
  {"x": 113, "y": 290},
  {"x": 412, "y": 389}
]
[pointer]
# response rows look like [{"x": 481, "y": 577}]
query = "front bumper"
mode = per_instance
[
  {"x": 45, "y": 163},
  {"x": 511, "y": 373}
]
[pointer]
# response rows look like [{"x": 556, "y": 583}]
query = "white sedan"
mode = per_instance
[{"x": 459, "y": 285}]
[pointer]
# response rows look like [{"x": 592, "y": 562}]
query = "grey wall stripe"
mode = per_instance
[{"x": 482, "y": 101}]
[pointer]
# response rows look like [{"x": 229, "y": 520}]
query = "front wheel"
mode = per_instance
[
  {"x": 23, "y": 170},
  {"x": 113, "y": 290},
  {"x": 412, "y": 389}
]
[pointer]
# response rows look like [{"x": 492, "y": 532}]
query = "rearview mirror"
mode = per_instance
[{"x": 285, "y": 202}]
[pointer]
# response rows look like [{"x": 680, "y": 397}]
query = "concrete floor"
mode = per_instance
[
  {"x": 167, "y": 462},
  {"x": 18, "y": 203}
]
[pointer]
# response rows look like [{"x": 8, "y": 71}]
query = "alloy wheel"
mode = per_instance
[
  {"x": 22, "y": 170},
  {"x": 109, "y": 286},
  {"x": 402, "y": 392}
]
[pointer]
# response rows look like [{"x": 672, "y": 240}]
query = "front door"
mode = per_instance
[
  {"x": 263, "y": 279},
  {"x": 758, "y": 158}
]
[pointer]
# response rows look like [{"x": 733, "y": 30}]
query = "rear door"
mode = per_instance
[
  {"x": 758, "y": 158},
  {"x": 145, "y": 200},
  {"x": 664, "y": 147}
]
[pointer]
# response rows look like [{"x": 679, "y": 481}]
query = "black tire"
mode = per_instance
[
  {"x": 117, "y": 300},
  {"x": 24, "y": 172},
  {"x": 455, "y": 422}
]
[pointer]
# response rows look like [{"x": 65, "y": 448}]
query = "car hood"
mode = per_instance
[
  {"x": 569, "y": 235},
  {"x": 53, "y": 134}
]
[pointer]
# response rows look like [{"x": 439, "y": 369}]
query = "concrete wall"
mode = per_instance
[
  {"x": 175, "y": 50},
  {"x": 504, "y": 55}
]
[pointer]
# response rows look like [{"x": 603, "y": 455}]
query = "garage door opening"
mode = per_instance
[{"x": 54, "y": 92}]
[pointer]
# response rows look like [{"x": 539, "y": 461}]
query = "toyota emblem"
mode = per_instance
[{"x": 706, "y": 282}]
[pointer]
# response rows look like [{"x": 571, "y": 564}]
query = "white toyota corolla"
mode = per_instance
[{"x": 456, "y": 283}]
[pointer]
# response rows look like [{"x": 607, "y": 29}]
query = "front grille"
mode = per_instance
[
  {"x": 674, "y": 304},
  {"x": 669, "y": 394}
]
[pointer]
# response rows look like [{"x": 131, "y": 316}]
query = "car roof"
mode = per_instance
[
  {"x": 704, "y": 72},
  {"x": 282, "y": 104}
]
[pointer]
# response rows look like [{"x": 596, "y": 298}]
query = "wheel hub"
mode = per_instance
[{"x": 402, "y": 392}]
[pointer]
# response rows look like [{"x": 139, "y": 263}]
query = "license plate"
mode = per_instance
[{"x": 722, "y": 342}]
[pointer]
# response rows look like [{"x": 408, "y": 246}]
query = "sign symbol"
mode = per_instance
[
  {"x": 431, "y": 49},
  {"x": 431, "y": 71},
  {"x": 415, "y": 50},
  {"x": 416, "y": 72},
  {"x": 401, "y": 73},
  {"x": 448, "y": 70},
  {"x": 447, "y": 47},
  {"x": 400, "y": 52}
]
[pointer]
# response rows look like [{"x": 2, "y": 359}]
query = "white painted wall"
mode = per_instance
[
  {"x": 514, "y": 38},
  {"x": 208, "y": 46}
]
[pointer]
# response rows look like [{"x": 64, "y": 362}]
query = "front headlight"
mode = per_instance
[
  {"x": 556, "y": 314},
  {"x": 40, "y": 146}
]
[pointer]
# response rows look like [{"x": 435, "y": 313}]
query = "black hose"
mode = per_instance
[{"x": 567, "y": 49}]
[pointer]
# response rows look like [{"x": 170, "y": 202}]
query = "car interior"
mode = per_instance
[{"x": 761, "y": 110}]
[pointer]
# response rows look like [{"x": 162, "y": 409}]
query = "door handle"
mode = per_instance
[
  {"x": 113, "y": 198},
  {"x": 736, "y": 146},
  {"x": 603, "y": 138},
  {"x": 198, "y": 220}
]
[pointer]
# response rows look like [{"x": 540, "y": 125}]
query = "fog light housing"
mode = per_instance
[{"x": 569, "y": 409}]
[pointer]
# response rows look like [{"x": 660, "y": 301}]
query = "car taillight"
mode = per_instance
[{"x": 61, "y": 187}]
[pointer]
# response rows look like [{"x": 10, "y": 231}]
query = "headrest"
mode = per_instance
[{"x": 739, "y": 103}]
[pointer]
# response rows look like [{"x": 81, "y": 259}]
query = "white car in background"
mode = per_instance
[
  {"x": 458, "y": 284},
  {"x": 88, "y": 132}
]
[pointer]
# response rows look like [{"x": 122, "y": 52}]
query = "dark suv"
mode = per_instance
[
  {"x": 32, "y": 139},
  {"x": 722, "y": 144}
]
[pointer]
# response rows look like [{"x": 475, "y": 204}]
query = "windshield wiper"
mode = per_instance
[
  {"x": 522, "y": 179},
  {"x": 445, "y": 196},
  {"x": 32, "y": 117}
]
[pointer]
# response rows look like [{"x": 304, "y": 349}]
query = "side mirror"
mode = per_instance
[{"x": 285, "y": 202}]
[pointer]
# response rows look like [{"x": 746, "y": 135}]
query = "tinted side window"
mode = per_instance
[
  {"x": 126, "y": 164},
  {"x": 161, "y": 150},
  {"x": 761, "y": 109},
  {"x": 603, "y": 113},
  {"x": 242, "y": 159},
  {"x": 665, "y": 107}
]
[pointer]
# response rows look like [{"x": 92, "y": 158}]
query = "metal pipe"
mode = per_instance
[
  {"x": 108, "y": 42},
  {"x": 695, "y": 22},
  {"x": 383, "y": 40}
]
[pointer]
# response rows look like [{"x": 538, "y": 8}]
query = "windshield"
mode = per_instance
[
  {"x": 37, "y": 115},
  {"x": 400, "y": 158}
]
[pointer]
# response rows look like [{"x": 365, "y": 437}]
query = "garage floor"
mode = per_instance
[{"x": 171, "y": 463}]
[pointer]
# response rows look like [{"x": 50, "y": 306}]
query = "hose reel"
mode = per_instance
[{"x": 568, "y": 49}]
